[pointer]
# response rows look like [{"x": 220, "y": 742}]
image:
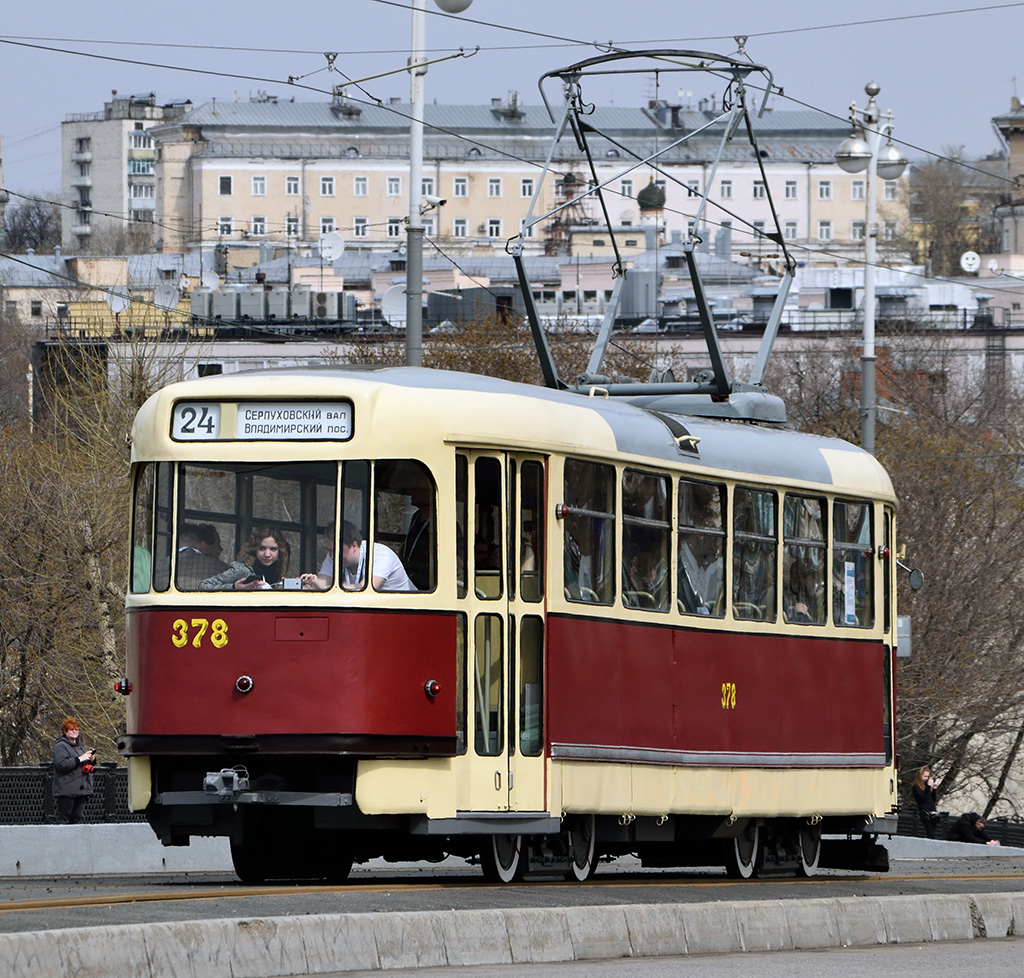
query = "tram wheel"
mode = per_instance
[
  {"x": 743, "y": 854},
  {"x": 502, "y": 859},
  {"x": 250, "y": 862},
  {"x": 580, "y": 842},
  {"x": 808, "y": 840}
]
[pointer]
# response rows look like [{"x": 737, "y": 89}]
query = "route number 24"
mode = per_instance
[{"x": 198, "y": 628}]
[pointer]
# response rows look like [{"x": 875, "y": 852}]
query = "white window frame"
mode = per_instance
[
  {"x": 890, "y": 230},
  {"x": 258, "y": 226},
  {"x": 292, "y": 186},
  {"x": 259, "y": 185},
  {"x": 858, "y": 230},
  {"x": 394, "y": 227},
  {"x": 326, "y": 186},
  {"x": 360, "y": 227},
  {"x": 291, "y": 226},
  {"x": 460, "y": 227},
  {"x": 626, "y": 188},
  {"x": 394, "y": 187},
  {"x": 361, "y": 186},
  {"x": 225, "y": 226},
  {"x": 527, "y": 185},
  {"x": 327, "y": 225},
  {"x": 494, "y": 187},
  {"x": 824, "y": 230},
  {"x": 824, "y": 190},
  {"x": 460, "y": 186},
  {"x": 525, "y": 230},
  {"x": 760, "y": 190},
  {"x": 791, "y": 190},
  {"x": 494, "y": 227},
  {"x": 221, "y": 192},
  {"x": 890, "y": 190},
  {"x": 725, "y": 190},
  {"x": 858, "y": 190},
  {"x": 790, "y": 230},
  {"x": 427, "y": 187}
]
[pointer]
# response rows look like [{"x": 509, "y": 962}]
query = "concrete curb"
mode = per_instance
[{"x": 276, "y": 947}]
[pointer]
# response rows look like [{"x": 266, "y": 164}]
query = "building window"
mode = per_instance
[
  {"x": 142, "y": 191},
  {"x": 360, "y": 227},
  {"x": 759, "y": 190},
  {"x": 225, "y": 226},
  {"x": 427, "y": 187},
  {"x": 394, "y": 186},
  {"x": 291, "y": 186},
  {"x": 360, "y": 186},
  {"x": 258, "y": 227},
  {"x": 857, "y": 231},
  {"x": 225, "y": 186},
  {"x": 83, "y": 145},
  {"x": 525, "y": 229},
  {"x": 144, "y": 167},
  {"x": 460, "y": 227},
  {"x": 890, "y": 230},
  {"x": 791, "y": 190},
  {"x": 141, "y": 140},
  {"x": 824, "y": 230},
  {"x": 460, "y": 187},
  {"x": 37, "y": 308},
  {"x": 890, "y": 190},
  {"x": 725, "y": 189},
  {"x": 789, "y": 230},
  {"x": 626, "y": 188},
  {"x": 428, "y": 227},
  {"x": 259, "y": 186},
  {"x": 394, "y": 227},
  {"x": 526, "y": 187},
  {"x": 141, "y": 217},
  {"x": 291, "y": 226},
  {"x": 824, "y": 190},
  {"x": 758, "y": 229},
  {"x": 494, "y": 227},
  {"x": 693, "y": 188},
  {"x": 327, "y": 186},
  {"x": 326, "y": 225},
  {"x": 857, "y": 190},
  {"x": 84, "y": 169},
  {"x": 494, "y": 186}
]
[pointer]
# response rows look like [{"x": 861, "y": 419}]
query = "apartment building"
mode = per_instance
[
  {"x": 242, "y": 173},
  {"x": 107, "y": 171}
]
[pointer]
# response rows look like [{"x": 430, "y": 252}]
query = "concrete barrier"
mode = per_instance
[{"x": 282, "y": 947}]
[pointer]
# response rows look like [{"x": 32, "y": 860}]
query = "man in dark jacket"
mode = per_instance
[
  {"x": 970, "y": 827},
  {"x": 72, "y": 773}
]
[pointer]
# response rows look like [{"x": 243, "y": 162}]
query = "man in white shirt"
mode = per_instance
[{"x": 388, "y": 574}]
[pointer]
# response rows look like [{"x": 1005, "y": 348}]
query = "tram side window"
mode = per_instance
[
  {"x": 488, "y": 508},
  {"x": 488, "y": 685},
  {"x": 646, "y": 532},
  {"x": 404, "y": 550},
  {"x": 531, "y": 676},
  {"x": 151, "y": 528},
  {"x": 804, "y": 560},
  {"x": 754, "y": 554},
  {"x": 589, "y": 528},
  {"x": 852, "y": 569},
  {"x": 701, "y": 558}
]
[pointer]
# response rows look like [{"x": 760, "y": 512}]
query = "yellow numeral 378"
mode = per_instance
[
  {"x": 200, "y": 628},
  {"x": 728, "y": 696}
]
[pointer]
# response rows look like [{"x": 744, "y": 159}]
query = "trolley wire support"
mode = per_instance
[{"x": 716, "y": 392}]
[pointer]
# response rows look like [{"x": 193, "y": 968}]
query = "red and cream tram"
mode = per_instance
[{"x": 628, "y": 631}]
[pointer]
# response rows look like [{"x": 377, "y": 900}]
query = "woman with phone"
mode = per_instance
[
  {"x": 72, "y": 773},
  {"x": 261, "y": 563}
]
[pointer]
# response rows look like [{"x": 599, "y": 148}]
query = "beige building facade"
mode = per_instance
[{"x": 283, "y": 174}]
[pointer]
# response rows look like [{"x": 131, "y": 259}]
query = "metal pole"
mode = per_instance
[
  {"x": 868, "y": 400},
  {"x": 414, "y": 243}
]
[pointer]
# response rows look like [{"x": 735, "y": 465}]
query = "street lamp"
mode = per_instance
[
  {"x": 414, "y": 236},
  {"x": 857, "y": 153}
]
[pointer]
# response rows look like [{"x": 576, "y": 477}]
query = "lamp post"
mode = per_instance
[
  {"x": 414, "y": 230},
  {"x": 858, "y": 153}
]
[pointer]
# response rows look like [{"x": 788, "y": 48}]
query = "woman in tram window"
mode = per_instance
[{"x": 261, "y": 563}]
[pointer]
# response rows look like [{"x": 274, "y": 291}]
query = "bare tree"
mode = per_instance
[{"x": 33, "y": 222}]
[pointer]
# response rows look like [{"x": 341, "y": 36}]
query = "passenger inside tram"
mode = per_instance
[
  {"x": 262, "y": 563},
  {"x": 388, "y": 573}
]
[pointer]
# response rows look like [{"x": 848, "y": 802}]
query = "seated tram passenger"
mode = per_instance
[
  {"x": 261, "y": 563},
  {"x": 192, "y": 563},
  {"x": 388, "y": 572}
]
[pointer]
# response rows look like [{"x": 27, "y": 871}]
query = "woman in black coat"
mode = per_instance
[
  {"x": 924, "y": 797},
  {"x": 72, "y": 773}
]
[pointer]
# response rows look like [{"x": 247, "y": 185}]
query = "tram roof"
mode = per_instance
[{"x": 526, "y": 417}]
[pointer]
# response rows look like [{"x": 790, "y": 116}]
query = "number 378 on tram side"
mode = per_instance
[{"x": 409, "y": 614}]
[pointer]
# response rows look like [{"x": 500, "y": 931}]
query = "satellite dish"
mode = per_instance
[
  {"x": 402, "y": 248},
  {"x": 993, "y": 265},
  {"x": 118, "y": 302},
  {"x": 210, "y": 280},
  {"x": 166, "y": 296},
  {"x": 970, "y": 261},
  {"x": 332, "y": 246},
  {"x": 453, "y": 6},
  {"x": 393, "y": 308}
]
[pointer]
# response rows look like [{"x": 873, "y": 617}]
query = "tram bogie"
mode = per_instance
[{"x": 507, "y": 624}]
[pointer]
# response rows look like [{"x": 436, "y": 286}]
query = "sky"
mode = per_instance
[{"x": 945, "y": 67}]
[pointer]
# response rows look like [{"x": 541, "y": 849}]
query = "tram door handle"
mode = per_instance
[{"x": 497, "y": 780}]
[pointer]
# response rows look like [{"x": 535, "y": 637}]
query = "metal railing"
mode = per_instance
[{"x": 26, "y": 796}]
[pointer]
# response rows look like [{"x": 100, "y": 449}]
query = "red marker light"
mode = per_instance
[
  {"x": 561, "y": 511},
  {"x": 431, "y": 687},
  {"x": 123, "y": 686}
]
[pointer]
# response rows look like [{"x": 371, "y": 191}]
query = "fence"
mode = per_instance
[
  {"x": 1007, "y": 832},
  {"x": 26, "y": 796}
]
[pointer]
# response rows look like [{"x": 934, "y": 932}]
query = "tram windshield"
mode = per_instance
[{"x": 242, "y": 527}]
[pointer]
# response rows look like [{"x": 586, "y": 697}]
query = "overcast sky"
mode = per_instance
[{"x": 946, "y": 67}]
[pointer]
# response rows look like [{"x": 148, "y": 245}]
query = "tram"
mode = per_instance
[{"x": 628, "y": 631}]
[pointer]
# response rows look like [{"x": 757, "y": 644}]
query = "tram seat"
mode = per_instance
[
  {"x": 639, "y": 599},
  {"x": 578, "y": 592},
  {"x": 748, "y": 610}
]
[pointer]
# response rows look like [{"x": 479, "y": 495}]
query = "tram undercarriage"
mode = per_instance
[{"x": 307, "y": 826}]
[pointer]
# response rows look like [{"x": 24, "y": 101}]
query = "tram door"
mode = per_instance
[{"x": 501, "y": 516}]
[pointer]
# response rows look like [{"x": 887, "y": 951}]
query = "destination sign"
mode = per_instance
[{"x": 264, "y": 421}]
